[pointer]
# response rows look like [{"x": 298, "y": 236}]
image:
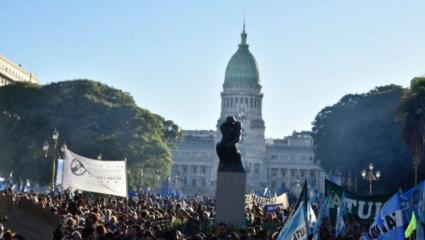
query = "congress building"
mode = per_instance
[{"x": 280, "y": 165}]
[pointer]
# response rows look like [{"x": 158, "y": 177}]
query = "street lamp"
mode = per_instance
[
  {"x": 370, "y": 175},
  {"x": 46, "y": 147}
]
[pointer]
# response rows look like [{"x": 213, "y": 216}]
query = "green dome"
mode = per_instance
[{"x": 242, "y": 67}]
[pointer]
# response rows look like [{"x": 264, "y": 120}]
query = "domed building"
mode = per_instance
[{"x": 276, "y": 164}]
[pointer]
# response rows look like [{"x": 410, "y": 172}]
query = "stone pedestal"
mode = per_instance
[{"x": 230, "y": 197}]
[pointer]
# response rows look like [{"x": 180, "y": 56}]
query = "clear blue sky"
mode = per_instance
[{"x": 171, "y": 55}]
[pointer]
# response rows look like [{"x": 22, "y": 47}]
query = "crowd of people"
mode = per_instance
[{"x": 149, "y": 216}]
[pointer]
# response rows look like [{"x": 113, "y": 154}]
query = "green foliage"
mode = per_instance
[
  {"x": 412, "y": 115},
  {"x": 363, "y": 128},
  {"x": 91, "y": 118}
]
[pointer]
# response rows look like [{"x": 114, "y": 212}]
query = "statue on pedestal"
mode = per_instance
[{"x": 230, "y": 158}]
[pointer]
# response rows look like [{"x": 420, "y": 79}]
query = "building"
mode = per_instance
[
  {"x": 278, "y": 164},
  {"x": 11, "y": 72}
]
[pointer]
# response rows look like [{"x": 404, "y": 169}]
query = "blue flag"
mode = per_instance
[
  {"x": 27, "y": 186},
  {"x": 420, "y": 231},
  {"x": 323, "y": 214},
  {"x": 296, "y": 227},
  {"x": 389, "y": 223},
  {"x": 341, "y": 217},
  {"x": 411, "y": 200},
  {"x": 420, "y": 235}
]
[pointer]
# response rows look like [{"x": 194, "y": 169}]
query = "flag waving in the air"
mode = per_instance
[
  {"x": 389, "y": 224},
  {"x": 296, "y": 227}
]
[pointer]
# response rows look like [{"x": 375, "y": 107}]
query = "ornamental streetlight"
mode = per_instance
[
  {"x": 52, "y": 146},
  {"x": 370, "y": 175}
]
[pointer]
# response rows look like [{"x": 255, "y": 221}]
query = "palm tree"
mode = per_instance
[{"x": 411, "y": 112}]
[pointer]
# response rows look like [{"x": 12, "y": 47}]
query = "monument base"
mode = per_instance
[{"x": 230, "y": 198}]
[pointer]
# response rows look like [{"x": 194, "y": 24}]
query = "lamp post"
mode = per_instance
[
  {"x": 370, "y": 175},
  {"x": 52, "y": 146}
]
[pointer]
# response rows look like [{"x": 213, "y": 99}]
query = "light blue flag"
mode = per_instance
[
  {"x": 420, "y": 234},
  {"x": 296, "y": 227},
  {"x": 323, "y": 214},
  {"x": 389, "y": 223},
  {"x": 341, "y": 217},
  {"x": 411, "y": 200},
  {"x": 27, "y": 187},
  {"x": 419, "y": 231}
]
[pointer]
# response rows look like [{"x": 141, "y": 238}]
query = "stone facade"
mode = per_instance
[
  {"x": 11, "y": 72},
  {"x": 278, "y": 164}
]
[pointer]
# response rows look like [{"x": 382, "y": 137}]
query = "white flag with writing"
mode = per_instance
[{"x": 107, "y": 177}]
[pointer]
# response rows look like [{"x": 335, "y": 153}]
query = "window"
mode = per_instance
[
  {"x": 283, "y": 172},
  {"x": 194, "y": 182},
  {"x": 203, "y": 169},
  {"x": 251, "y": 102},
  {"x": 184, "y": 168},
  {"x": 194, "y": 169},
  {"x": 273, "y": 184},
  {"x": 274, "y": 172}
]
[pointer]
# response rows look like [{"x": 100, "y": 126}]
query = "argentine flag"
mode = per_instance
[
  {"x": 296, "y": 227},
  {"x": 341, "y": 217},
  {"x": 323, "y": 214},
  {"x": 389, "y": 223}
]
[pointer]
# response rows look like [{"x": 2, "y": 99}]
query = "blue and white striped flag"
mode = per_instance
[
  {"x": 341, "y": 217},
  {"x": 323, "y": 214},
  {"x": 27, "y": 187},
  {"x": 296, "y": 227}
]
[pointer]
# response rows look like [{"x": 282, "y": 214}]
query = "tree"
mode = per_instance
[
  {"x": 363, "y": 128},
  {"x": 412, "y": 115},
  {"x": 91, "y": 117}
]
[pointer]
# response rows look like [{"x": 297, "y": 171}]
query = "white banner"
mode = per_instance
[
  {"x": 279, "y": 200},
  {"x": 107, "y": 177}
]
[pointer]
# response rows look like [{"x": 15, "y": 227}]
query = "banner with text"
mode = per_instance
[
  {"x": 281, "y": 200},
  {"x": 107, "y": 177},
  {"x": 364, "y": 208}
]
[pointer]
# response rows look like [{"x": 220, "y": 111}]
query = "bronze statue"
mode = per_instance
[{"x": 230, "y": 158}]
